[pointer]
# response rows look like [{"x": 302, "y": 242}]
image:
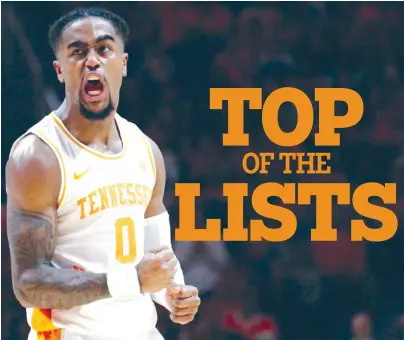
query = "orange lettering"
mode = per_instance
[
  {"x": 139, "y": 194},
  {"x": 104, "y": 198},
  {"x": 235, "y": 230},
  {"x": 309, "y": 162},
  {"x": 187, "y": 231},
  {"x": 121, "y": 188},
  {"x": 270, "y": 116},
  {"x": 132, "y": 197},
  {"x": 125, "y": 237},
  {"x": 235, "y": 98},
  {"x": 362, "y": 206},
  {"x": 321, "y": 163},
  {"x": 266, "y": 158},
  {"x": 80, "y": 203},
  {"x": 328, "y": 121},
  {"x": 112, "y": 195},
  {"x": 93, "y": 209},
  {"x": 120, "y": 194},
  {"x": 256, "y": 163},
  {"x": 324, "y": 193},
  {"x": 287, "y": 156},
  {"x": 287, "y": 218}
]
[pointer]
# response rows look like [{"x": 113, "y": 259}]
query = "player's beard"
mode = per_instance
[{"x": 97, "y": 115}]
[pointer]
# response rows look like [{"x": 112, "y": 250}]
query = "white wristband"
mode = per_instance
[{"x": 123, "y": 282}]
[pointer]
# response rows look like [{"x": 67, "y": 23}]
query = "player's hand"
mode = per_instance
[
  {"x": 184, "y": 302},
  {"x": 156, "y": 270}
]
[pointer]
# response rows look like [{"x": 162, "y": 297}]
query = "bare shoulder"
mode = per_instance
[
  {"x": 156, "y": 205},
  {"x": 32, "y": 175},
  {"x": 158, "y": 155}
]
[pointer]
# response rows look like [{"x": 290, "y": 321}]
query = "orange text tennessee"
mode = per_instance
[{"x": 112, "y": 196}]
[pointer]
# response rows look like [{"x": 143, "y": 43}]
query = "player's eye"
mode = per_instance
[
  {"x": 78, "y": 51},
  {"x": 104, "y": 48}
]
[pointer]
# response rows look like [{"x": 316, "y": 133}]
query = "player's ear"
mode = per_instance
[
  {"x": 125, "y": 64},
  {"x": 58, "y": 69}
]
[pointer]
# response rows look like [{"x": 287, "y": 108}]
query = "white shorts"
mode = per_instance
[{"x": 64, "y": 334}]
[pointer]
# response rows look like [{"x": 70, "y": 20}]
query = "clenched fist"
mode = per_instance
[
  {"x": 184, "y": 301},
  {"x": 156, "y": 270}
]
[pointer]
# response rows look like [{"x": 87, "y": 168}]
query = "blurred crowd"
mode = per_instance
[{"x": 258, "y": 290}]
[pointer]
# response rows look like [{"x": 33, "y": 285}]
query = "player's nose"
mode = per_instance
[{"x": 92, "y": 61}]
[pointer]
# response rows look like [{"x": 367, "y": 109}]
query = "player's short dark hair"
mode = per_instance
[{"x": 57, "y": 28}]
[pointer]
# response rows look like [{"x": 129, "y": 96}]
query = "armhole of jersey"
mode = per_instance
[
  {"x": 62, "y": 167},
  {"x": 148, "y": 148},
  {"x": 151, "y": 155}
]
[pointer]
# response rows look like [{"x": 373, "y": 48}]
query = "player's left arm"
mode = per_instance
[{"x": 180, "y": 299}]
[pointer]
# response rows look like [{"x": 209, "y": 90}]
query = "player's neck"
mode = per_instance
[{"x": 86, "y": 131}]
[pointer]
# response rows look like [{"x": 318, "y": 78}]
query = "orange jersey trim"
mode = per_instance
[
  {"x": 151, "y": 156},
  {"x": 74, "y": 140}
]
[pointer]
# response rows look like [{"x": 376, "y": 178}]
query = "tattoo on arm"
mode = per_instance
[{"x": 38, "y": 284}]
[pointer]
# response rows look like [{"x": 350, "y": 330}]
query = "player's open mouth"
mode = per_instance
[{"x": 94, "y": 88}]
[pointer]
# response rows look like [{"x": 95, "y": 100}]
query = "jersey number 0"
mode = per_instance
[{"x": 125, "y": 240}]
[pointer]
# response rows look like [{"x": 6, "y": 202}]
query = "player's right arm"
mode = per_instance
[{"x": 33, "y": 182}]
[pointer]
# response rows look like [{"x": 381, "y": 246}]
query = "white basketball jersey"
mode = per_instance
[{"x": 102, "y": 202}]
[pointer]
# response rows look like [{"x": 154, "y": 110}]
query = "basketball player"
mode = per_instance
[{"x": 88, "y": 231}]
